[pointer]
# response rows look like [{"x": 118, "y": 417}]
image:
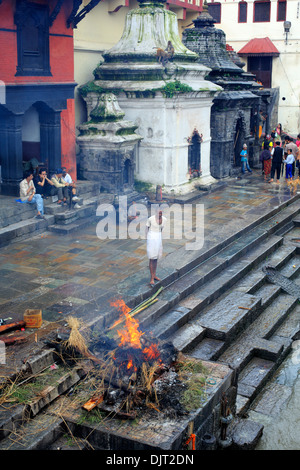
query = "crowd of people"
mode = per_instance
[
  {"x": 36, "y": 187},
  {"x": 279, "y": 156}
]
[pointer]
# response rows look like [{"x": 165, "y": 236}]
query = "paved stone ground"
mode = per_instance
[{"x": 79, "y": 273}]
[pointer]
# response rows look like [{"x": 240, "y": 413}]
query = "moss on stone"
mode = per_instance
[
  {"x": 90, "y": 87},
  {"x": 126, "y": 131},
  {"x": 92, "y": 131},
  {"x": 172, "y": 88}
]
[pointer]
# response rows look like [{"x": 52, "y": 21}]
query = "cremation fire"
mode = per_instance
[
  {"x": 134, "y": 371},
  {"x": 130, "y": 363},
  {"x": 132, "y": 338}
]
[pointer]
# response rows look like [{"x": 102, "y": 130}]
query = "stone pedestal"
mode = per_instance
[{"x": 108, "y": 146}]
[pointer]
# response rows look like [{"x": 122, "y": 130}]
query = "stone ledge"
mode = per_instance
[
  {"x": 23, "y": 228},
  {"x": 245, "y": 434}
]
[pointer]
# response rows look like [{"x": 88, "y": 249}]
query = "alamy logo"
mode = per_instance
[
  {"x": 183, "y": 222},
  {"x": 2, "y": 92},
  {"x": 2, "y": 353}
]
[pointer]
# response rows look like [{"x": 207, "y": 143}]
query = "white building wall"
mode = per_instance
[{"x": 285, "y": 72}]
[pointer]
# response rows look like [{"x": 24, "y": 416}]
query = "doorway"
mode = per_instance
[
  {"x": 261, "y": 67},
  {"x": 238, "y": 142}
]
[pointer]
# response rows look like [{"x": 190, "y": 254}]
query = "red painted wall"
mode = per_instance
[
  {"x": 61, "y": 47},
  {"x": 61, "y": 51},
  {"x": 68, "y": 136}
]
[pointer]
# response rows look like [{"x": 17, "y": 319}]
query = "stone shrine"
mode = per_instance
[
  {"x": 162, "y": 88},
  {"x": 108, "y": 146},
  {"x": 234, "y": 115}
]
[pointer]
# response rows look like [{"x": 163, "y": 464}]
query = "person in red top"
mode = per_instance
[{"x": 265, "y": 158}]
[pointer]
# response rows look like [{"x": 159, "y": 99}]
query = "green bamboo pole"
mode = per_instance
[{"x": 146, "y": 303}]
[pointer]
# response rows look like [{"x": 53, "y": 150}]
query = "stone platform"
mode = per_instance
[{"x": 216, "y": 305}]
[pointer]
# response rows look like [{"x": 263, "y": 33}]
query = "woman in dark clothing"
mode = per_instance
[
  {"x": 276, "y": 162},
  {"x": 265, "y": 158}
]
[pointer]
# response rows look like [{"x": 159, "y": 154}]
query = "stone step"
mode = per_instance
[
  {"x": 269, "y": 291},
  {"x": 252, "y": 283},
  {"x": 187, "y": 260},
  {"x": 251, "y": 381},
  {"x": 207, "y": 349},
  {"x": 296, "y": 221},
  {"x": 256, "y": 337},
  {"x": 65, "y": 229},
  {"x": 275, "y": 308},
  {"x": 222, "y": 324},
  {"x": 67, "y": 221},
  {"x": 71, "y": 443},
  {"x": 68, "y": 215},
  {"x": 186, "y": 309},
  {"x": 36, "y": 434},
  {"x": 213, "y": 266},
  {"x": 230, "y": 316},
  {"x": 24, "y": 229},
  {"x": 55, "y": 209},
  {"x": 257, "y": 277},
  {"x": 288, "y": 330},
  {"x": 13, "y": 419},
  {"x": 190, "y": 335},
  {"x": 14, "y": 212}
]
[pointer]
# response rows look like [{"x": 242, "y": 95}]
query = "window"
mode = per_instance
[
  {"x": 214, "y": 9},
  {"x": 281, "y": 10},
  {"x": 262, "y": 11},
  {"x": 32, "y": 20},
  {"x": 242, "y": 12}
]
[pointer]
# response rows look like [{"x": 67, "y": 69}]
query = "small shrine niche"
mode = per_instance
[{"x": 194, "y": 154}]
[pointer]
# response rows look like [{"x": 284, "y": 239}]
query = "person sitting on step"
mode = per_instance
[
  {"x": 71, "y": 187},
  {"x": 61, "y": 187},
  {"x": 43, "y": 184},
  {"x": 28, "y": 194}
]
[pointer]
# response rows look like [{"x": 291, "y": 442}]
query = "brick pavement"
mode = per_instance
[{"x": 80, "y": 274}]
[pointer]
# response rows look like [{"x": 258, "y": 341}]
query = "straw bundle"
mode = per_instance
[{"x": 76, "y": 340}]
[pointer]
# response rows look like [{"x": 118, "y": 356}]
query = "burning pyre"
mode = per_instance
[
  {"x": 134, "y": 371},
  {"x": 130, "y": 364}
]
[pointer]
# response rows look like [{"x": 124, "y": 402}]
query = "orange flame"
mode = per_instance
[
  {"x": 152, "y": 353},
  {"x": 131, "y": 366},
  {"x": 130, "y": 335}
]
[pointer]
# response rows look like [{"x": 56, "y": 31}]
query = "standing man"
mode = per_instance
[
  {"x": 277, "y": 159},
  {"x": 28, "y": 194},
  {"x": 154, "y": 227}
]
